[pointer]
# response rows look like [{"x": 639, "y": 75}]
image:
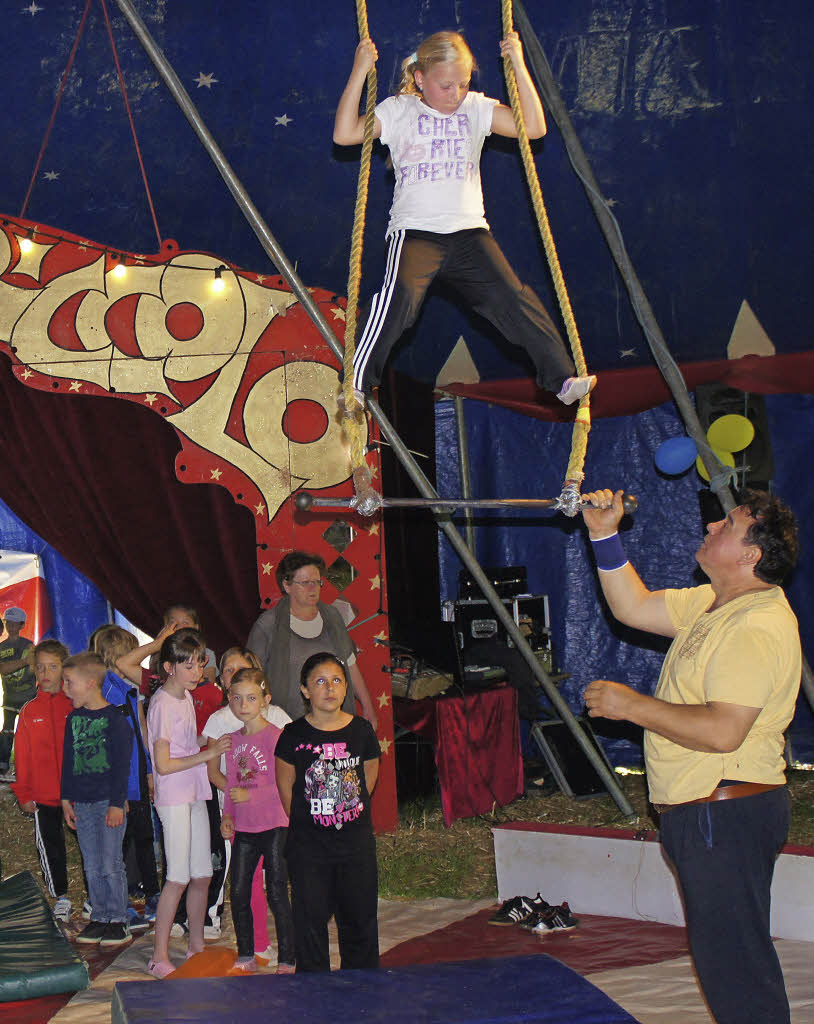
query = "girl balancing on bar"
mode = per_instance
[{"x": 434, "y": 128}]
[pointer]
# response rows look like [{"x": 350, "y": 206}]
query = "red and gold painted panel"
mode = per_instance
[{"x": 231, "y": 360}]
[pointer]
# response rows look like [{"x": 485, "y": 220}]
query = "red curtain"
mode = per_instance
[{"x": 95, "y": 478}]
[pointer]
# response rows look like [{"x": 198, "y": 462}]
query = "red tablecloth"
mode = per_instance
[{"x": 476, "y": 739}]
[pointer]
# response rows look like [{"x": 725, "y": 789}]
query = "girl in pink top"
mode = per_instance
[
  {"x": 254, "y": 819},
  {"x": 181, "y": 791}
]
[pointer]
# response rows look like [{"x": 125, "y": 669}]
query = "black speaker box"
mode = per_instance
[
  {"x": 568, "y": 762},
  {"x": 715, "y": 400}
]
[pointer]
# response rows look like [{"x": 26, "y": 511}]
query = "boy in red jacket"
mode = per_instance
[{"x": 38, "y": 745}]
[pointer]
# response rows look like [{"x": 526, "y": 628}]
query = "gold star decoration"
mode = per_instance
[
  {"x": 381, "y": 636},
  {"x": 266, "y": 568},
  {"x": 260, "y": 509},
  {"x": 376, "y": 583},
  {"x": 385, "y": 745},
  {"x": 26, "y": 373},
  {"x": 373, "y": 529},
  {"x": 75, "y": 385},
  {"x": 215, "y": 474},
  {"x": 151, "y": 399},
  {"x": 384, "y": 700},
  {"x": 260, "y": 278},
  {"x": 338, "y": 312}
]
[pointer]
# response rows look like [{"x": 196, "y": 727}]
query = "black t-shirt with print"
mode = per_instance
[{"x": 330, "y": 804}]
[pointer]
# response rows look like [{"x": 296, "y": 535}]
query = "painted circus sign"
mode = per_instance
[{"x": 231, "y": 360}]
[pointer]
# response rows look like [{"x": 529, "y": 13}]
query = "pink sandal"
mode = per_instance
[{"x": 160, "y": 969}]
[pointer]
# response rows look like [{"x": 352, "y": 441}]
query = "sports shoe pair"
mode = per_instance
[
  {"x": 518, "y": 909},
  {"x": 552, "y": 919},
  {"x": 105, "y": 934}
]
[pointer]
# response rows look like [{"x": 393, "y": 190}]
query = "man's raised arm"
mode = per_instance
[{"x": 628, "y": 598}]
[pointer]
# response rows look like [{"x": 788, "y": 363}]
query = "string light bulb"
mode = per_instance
[
  {"x": 219, "y": 284},
  {"x": 27, "y": 243},
  {"x": 119, "y": 269}
]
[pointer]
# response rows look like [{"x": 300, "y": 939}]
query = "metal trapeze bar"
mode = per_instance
[
  {"x": 305, "y": 501},
  {"x": 423, "y": 485}
]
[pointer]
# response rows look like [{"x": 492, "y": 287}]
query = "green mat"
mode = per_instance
[{"x": 35, "y": 957}]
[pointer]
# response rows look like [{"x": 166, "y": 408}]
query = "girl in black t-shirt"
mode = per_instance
[{"x": 327, "y": 766}]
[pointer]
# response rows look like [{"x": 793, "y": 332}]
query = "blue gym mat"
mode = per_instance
[{"x": 528, "y": 989}]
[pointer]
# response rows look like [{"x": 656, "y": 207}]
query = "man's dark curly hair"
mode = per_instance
[{"x": 774, "y": 532}]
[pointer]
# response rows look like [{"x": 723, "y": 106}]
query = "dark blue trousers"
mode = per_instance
[{"x": 724, "y": 854}]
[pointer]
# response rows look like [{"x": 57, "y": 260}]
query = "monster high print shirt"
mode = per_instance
[
  {"x": 330, "y": 804},
  {"x": 251, "y": 796},
  {"x": 96, "y": 756}
]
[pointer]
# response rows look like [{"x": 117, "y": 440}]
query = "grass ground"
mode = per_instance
[{"x": 423, "y": 858}]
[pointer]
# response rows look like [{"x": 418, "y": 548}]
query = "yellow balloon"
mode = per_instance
[
  {"x": 731, "y": 433},
  {"x": 727, "y": 458}
]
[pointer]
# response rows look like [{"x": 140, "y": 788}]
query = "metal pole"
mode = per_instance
[
  {"x": 269, "y": 243},
  {"x": 463, "y": 469},
  {"x": 553, "y": 100},
  {"x": 500, "y": 610}
]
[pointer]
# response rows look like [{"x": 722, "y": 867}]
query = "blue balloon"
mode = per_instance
[{"x": 676, "y": 455}]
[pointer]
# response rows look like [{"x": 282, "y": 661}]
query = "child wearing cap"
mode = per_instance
[{"x": 19, "y": 683}]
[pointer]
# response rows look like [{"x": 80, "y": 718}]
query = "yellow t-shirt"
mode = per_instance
[{"x": 746, "y": 652}]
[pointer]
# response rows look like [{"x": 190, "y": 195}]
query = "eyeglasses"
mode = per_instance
[{"x": 309, "y": 583}]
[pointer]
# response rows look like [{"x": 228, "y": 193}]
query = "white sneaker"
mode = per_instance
[
  {"x": 178, "y": 931},
  {"x": 87, "y": 911},
  {"x": 62, "y": 909},
  {"x": 211, "y": 932},
  {"x": 265, "y": 958},
  {"x": 574, "y": 388}
]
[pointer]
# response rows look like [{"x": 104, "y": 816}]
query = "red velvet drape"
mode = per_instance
[{"x": 145, "y": 539}]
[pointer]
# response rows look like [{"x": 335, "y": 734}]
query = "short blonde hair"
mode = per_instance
[
  {"x": 439, "y": 48},
  {"x": 111, "y": 642},
  {"x": 88, "y": 664}
]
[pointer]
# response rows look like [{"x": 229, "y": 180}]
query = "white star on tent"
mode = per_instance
[
  {"x": 26, "y": 374},
  {"x": 76, "y": 385},
  {"x": 384, "y": 700},
  {"x": 385, "y": 745},
  {"x": 51, "y": 175},
  {"x": 150, "y": 399},
  {"x": 266, "y": 568},
  {"x": 627, "y": 352},
  {"x": 260, "y": 509},
  {"x": 205, "y": 81},
  {"x": 215, "y": 474},
  {"x": 338, "y": 312},
  {"x": 284, "y": 120},
  {"x": 32, "y": 9}
]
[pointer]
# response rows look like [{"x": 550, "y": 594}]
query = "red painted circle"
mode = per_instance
[
  {"x": 304, "y": 421},
  {"x": 184, "y": 321}
]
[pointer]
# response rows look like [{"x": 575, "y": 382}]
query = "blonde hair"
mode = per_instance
[
  {"x": 251, "y": 675},
  {"x": 88, "y": 664},
  {"x": 439, "y": 48},
  {"x": 111, "y": 642},
  {"x": 238, "y": 652}
]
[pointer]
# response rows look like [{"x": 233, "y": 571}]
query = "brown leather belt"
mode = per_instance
[{"x": 724, "y": 793}]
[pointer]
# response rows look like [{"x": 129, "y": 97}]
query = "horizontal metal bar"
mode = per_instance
[{"x": 304, "y": 501}]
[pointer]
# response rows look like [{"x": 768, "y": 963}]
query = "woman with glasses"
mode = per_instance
[{"x": 301, "y": 625}]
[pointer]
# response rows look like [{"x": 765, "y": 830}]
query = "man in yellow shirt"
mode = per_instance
[{"x": 713, "y": 736}]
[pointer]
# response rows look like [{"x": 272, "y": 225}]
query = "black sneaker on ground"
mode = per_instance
[
  {"x": 92, "y": 932},
  {"x": 533, "y": 920},
  {"x": 115, "y": 934},
  {"x": 518, "y": 909},
  {"x": 556, "y": 919}
]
